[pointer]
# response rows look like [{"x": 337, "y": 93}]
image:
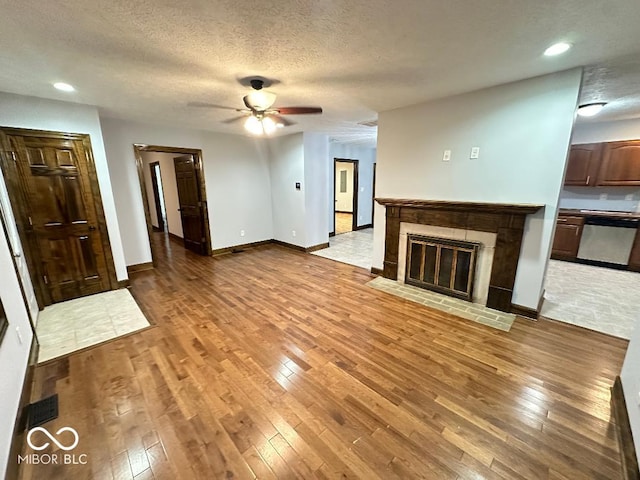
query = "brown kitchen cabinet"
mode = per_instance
[
  {"x": 583, "y": 164},
  {"x": 620, "y": 164},
  {"x": 567, "y": 238}
]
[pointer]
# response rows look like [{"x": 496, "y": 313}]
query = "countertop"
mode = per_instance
[{"x": 599, "y": 213}]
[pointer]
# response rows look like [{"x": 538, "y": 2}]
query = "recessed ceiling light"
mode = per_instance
[
  {"x": 557, "y": 49},
  {"x": 65, "y": 87},
  {"x": 590, "y": 109}
]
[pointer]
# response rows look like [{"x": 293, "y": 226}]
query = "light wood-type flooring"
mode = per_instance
[
  {"x": 273, "y": 363},
  {"x": 344, "y": 222}
]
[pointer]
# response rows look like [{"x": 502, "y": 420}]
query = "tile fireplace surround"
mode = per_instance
[{"x": 505, "y": 221}]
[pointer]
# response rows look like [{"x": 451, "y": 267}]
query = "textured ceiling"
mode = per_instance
[{"x": 147, "y": 60}]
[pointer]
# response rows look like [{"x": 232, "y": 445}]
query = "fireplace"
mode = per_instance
[
  {"x": 440, "y": 264},
  {"x": 497, "y": 227}
]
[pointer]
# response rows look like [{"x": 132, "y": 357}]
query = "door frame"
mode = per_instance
[
  {"x": 354, "y": 198},
  {"x": 17, "y": 197},
  {"x": 373, "y": 195},
  {"x": 156, "y": 193},
  {"x": 138, "y": 149}
]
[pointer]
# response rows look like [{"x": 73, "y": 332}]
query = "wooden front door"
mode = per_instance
[
  {"x": 191, "y": 211},
  {"x": 62, "y": 214}
]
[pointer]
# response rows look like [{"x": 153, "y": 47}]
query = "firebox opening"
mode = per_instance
[{"x": 443, "y": 265}]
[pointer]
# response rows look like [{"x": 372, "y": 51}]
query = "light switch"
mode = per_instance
[
  {"x": 446, "y": 156},
  {"x": 475, "y": 153}
]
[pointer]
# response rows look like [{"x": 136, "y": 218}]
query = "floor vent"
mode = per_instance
[{"x": 43, "y": 411}]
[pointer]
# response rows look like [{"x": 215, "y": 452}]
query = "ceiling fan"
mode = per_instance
[{"x": 261, "y": 118}]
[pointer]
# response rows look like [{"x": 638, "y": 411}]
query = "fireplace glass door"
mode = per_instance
[{"x": 443, "y": 265}]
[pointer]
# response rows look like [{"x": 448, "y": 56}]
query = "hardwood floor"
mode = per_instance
[
  {"x": 343, "y": 222},
  {"x": 272, "y": 363}
]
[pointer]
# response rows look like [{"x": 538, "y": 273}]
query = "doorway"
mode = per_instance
[
  {"x": 345, "y": 210},
  {"x": 160, "y": 213},
  {"x": 174, "y": 195},
  {"x": 53, "y": 189}
]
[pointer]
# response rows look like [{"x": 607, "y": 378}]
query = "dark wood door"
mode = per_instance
[
  {"x": 567, "y": 238},
  {"x": 583, "y": 164},
  {"x": 61, "y": 214},
  {"x": 191, "y": 211},
  {"x": 620, "y": 164}
]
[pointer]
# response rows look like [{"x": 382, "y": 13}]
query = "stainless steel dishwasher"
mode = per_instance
[{"x": 608, "y": 240}]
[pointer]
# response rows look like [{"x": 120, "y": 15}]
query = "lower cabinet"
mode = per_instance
[{"x": 567, "y": 238}]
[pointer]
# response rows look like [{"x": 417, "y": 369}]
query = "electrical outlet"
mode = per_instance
[
  {"x": 629, "y": 197},
  {"x": 293, "y": 233},
  {"x": 242, "y": 233},
  {"x": 475, "y": 153},
  {"x": 19, "y": 335},
  {"x": 603, "y": 196},
  {"x": 446, "y": 156}
]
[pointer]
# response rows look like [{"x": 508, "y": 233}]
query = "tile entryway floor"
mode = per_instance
[
  {"x": 354, "y": 248},
  {"x": 597, "y": 298},
  {"x": 69, "y": 326}
]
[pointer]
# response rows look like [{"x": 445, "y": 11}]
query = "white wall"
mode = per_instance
[
  {"x": 366, "y": 157},
  {"x": 316, "y": 176},
  {"x": 616, "y": 199},
  {"x": 236, "y": 177},
  {"x": 36, "y": 113},
  {"x": 14, "y": 353},
  {"x": 344, "y": 200},
  {"x": 630, "y": 377},
  {"x": 523, "y": 130},
  {"x": 286, "y": 168},
  {"x": 169, "y": 189},
  {"x": 622, "y": 199},
  {"x": 592, "y": 132},
  {"x": 6, "y": 214}
]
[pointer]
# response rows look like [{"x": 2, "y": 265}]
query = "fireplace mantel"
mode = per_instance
[
  {"x": 517, "y": 208},
  {"x": 504, "y": 219}
]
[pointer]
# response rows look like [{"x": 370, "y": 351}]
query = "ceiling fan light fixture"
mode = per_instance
[
  {"x": 261, "y": 99},
  {"x": 268, "y": 125},
  {"x": 253, "y": 125},
  {"x": 590, "y": 109}
]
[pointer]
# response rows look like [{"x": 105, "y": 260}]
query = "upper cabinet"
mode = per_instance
[
  {"x": 620, "y": 164},
  {"x": 583, "y": 165},
  {"x": 604, "y": 164}
]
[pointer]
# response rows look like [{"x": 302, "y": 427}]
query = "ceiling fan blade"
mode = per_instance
[
  {"x": 234, "y": 119},
  {"x": 209, "y": 105},
  {"x": 282, "y": 120},
  {"x": 297, "y": 110}
]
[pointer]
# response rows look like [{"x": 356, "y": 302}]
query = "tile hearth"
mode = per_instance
[{"x": 469, "y": 311}]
